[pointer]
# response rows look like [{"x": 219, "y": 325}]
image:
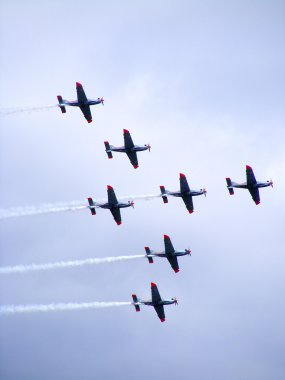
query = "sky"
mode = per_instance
[{"x": 202, "y": 82}]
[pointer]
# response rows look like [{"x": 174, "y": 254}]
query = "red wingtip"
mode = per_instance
[
  {"x": 153, "y": 284},
  {"x": 176, "y": 270},
  {"x": 78, "y": 84},
  {"x": 89, "y": 120},
  {"x": 136, "y": 166},
  {"x": 248, "y": 167},
  {"x": 191, "y": 211},
  {"x": 162, "y": 319},
  {"x": 257, "y": 203},
  {"x": 182, "y": 175},
  {"x": 126, "y": 131},
  {"x": 166, "y": 237},
  {"x": 109, "y": 187},
  {"x": 119, "y": 223}
]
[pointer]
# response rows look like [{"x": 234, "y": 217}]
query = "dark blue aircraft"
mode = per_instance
[
  {"x": 82, "y": 102},
  {"x": 170, "y": 253},
  {"x": 251, "y": 185},
  {"x": 113, "y": 205},
  {"x": 185, "y": 193},
  {"x": 156, "y": 301},
  {"x": 129, "y": 148}
]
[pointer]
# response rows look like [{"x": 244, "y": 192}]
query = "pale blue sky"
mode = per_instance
[{"x": 203, "y": 83}]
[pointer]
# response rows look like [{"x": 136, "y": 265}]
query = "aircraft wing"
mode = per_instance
[
  {"x": 255, "y": 194},
  {"x": 174, "y": 263},
  {"x": 160, "y": 312},
  {"x": 155, "y": 296},
  {"x": 116, "y": 215},
  {"x": 112, "y": 199},
  {"x": 168, "y": 245},
  {"x": 187, "y": 199},
  {"x": 133, "y": 158},
  {"x": 184, "y": 187},
  {"x": 128, "y": 140},
  {"x": 250, "y": 178},
  {"x": 86, "y": 112},
  {"x": 81, "y": 97}
]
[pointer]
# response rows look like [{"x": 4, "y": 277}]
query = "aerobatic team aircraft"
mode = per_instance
[
  {"x": 185, "y": 193},
  {"x": 82, "y": 102},
  {"x": 251, "y": 185},
  {"x": 170, "y": 253},
  {"x": 113, "y": 205},
  {"x": 130, "y": 149},
  {"x": 156, "y": 301}
]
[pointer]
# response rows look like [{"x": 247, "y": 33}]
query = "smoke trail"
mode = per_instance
[
  {"x": 62, "y": 206},
  {"x": 12, "y": 111},
  {"x": 20, "y": 309},
  {"x": 65, "y": 264}
]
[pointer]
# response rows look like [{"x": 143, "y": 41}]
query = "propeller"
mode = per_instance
[
  {"x": 175, "y": 301},
  {"x": 102, "y": 101},
  {"x": 188, "y": 251},
  {"x": 148, "y": 146},
  {"x": 132, "y": 203},
  {"x": 271, "y": 183},
  {"x": 204, "y": 191}
]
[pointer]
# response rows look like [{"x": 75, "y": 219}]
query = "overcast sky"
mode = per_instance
[{"x": 202, "y": 82}]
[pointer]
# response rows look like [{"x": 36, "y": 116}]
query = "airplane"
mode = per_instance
[
  {"x": 113, "y": 205},
  {"x": 82, "y": 102},
  {"x": 251, "y": 185},
  {"x": 129, "y": 148},
  {"x": 170, "y": 253},
  {"x": 156, "y": 301},
  {"x": 185, "y": 193}
]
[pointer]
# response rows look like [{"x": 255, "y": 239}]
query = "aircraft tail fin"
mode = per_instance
[
  {"x": 229, "y": 186},
  {"x": 108, "y": 149},
  {"x": 60, "y": 101},
  {"x": 148, "y": 252},
  {"x": 136, "y": 305},
  {"x": 91, "y": 206},
  {"x": 163, "y": 194}
]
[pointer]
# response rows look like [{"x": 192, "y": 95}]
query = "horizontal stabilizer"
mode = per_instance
[
  {"x": 148, "y": 252},
  {"x": 91, "y": 206},
  {"x": 135, "y": 299},
  {"x": 163, "y": 194},
  {"x": 60, "y": 101},
  {"x": 108, "y": 150},
  {"x": 229, "y": 185}
]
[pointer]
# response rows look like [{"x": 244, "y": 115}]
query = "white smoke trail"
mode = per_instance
[
  {"x": 20, "y": 309},
  {"x": 62, "y": 206},
  {"x": 65, "y": 264},
  {"x": 12, "y": 111}
]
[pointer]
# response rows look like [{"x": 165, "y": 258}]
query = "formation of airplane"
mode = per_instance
[
  {"x": 185, "y": 193},
  {"x": 251, "y": 185},
  {"x": 156, "y": 301},
  {"x": 170, "y": 253},
  {"x": 113, "y": 205},
  {"x": 82, "y": 102},
  {"x": 129, "y": 148}
]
